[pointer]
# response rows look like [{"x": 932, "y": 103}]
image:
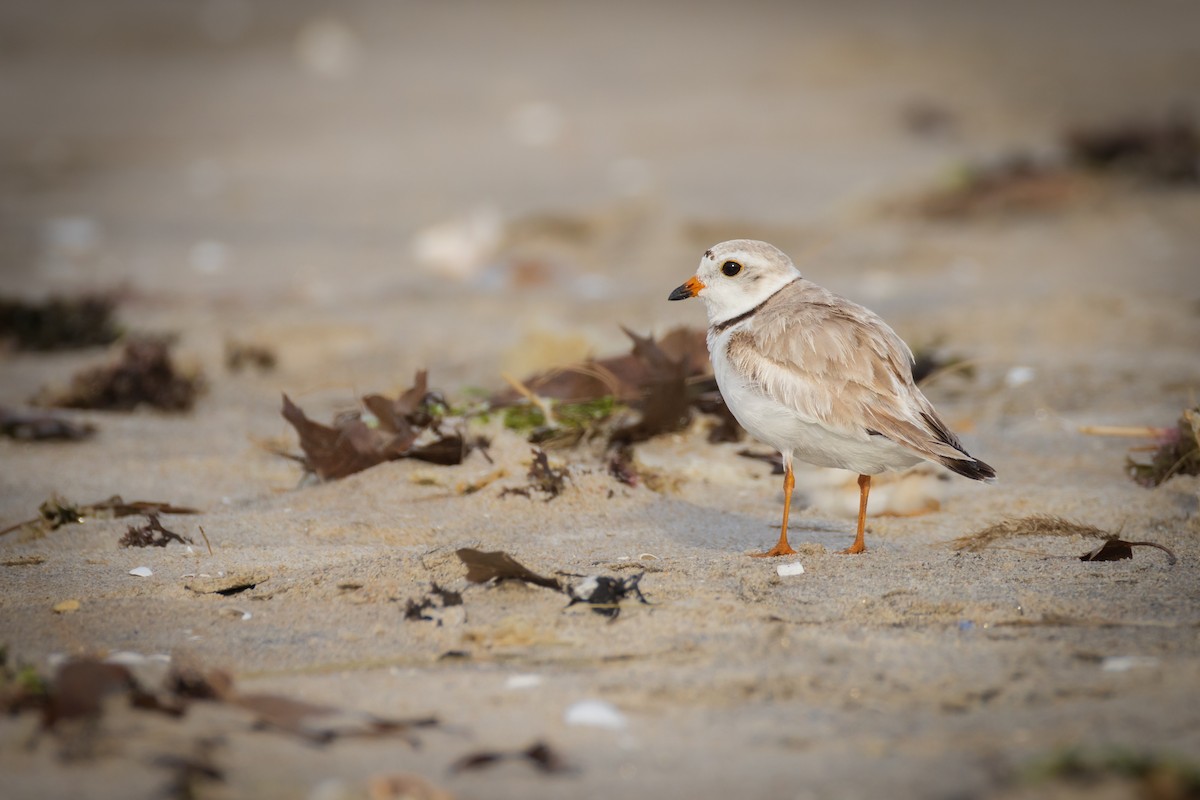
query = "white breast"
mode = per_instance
[{"x": 785, "y": 429}]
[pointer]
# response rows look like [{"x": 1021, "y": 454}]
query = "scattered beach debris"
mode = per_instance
[
  {"x": 1118, "y": 549},
  {"x": 433, "y": 604},
  {"x": 1158, "y": 152},
  {"x": 22, "y": 561},
  {"x": 542, "y": 756},
  {"x": 544, "y": 479},
  {"x": 1016, "y": 183},
  {"x": 1112, "y": 548},
  {"x": 188, "y": 773},
  {"x": 1162, "y": 151},
  {"x": 39, "y": 426},
  {"x": 1177, "y": 452},
  {"x": 144, "y": 374},
  {"x": 80, "y": 687},
  {"x": 661, "y": 379},
  {"x": 248, "y": 355},
  {"x": 499, "y": 566},
  {"x": 620, "y": 465},
  {"x": 1126, "y": 663},
  {"x": 1149, "y": 775},
  {"x": 56, "y": 512},
  {"x": 151, "y": 534},
  {"x": 774, "y": 459},
  {"x": 1035, "y": 525},
  {"x": 66, "y": 607},
  {"x": 59, "y": 323},
  {"x": 320, "y": 723},
  {"x": 603, "y": 594},
  {"x": 141, "y": 572},
  {"x": 408, "y": 427},
  {"x": 788, "y": 570},
  {"x": 595, "y": 714},
  {"x": 932, "y": 361},
  {"x": 665, "y": 403}
]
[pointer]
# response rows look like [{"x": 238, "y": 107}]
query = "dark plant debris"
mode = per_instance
[
  {"x": 774, "y": 459},
  {"x": 1016, "y": 183},
  {"x": 1162, "y": 152},
  {"x": 1112, "y": 548},
  {"x": 189, "y": 773},
  {"x": 59, "y": 323},
  {"x": 151, "y": 534},
  {"x": 621, "y": 467},
  {"x": 1118, "y": 549},
  {"x": 1178, "y": 453},
  {"x": 429, "y": 607},
  {"x": 604, "y": 594},
  {"x": 409, "y": 426},
  {"x": 56, "y": 512},
  {"x": 143, "y": 375},
  {"x": 80, "y": 687},
  {"x": 662, "y": 381},
  {"x": 1155, "y": 775},
  {"x": 39, "y": 426},
  {"x": 499, "y": 566},
  {"x": 543, "y": 479},
  {"x": 248, "y": 355},
  {"x": 542, "y": 756}
]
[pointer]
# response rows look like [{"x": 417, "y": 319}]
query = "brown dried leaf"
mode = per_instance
[
  {"x": 351, "y": 445},
  {"x": 1118, "y": 549},
  {"x": 500, "y": 566},
  {"x": 541, "y": 755},
  {"x": 41, "y": 427},
  {"x": 333, "y": 452}
]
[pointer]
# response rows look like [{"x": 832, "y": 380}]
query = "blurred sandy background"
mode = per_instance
[{"x": 478, "y": 188}]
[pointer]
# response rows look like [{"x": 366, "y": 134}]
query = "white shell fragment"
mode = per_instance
[
  {"x": 787, "y": 570},
  {"x": 1126, "y": 663},
  {"x": 523, "y": 681},
  {"x": 595, "y": 714},
  {"x": 141, "y": 572}
]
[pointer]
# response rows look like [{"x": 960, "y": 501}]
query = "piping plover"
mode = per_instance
[{"x": 814, "y": 375}]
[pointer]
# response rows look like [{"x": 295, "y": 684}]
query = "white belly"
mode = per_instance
[{"x": 808, "y": 440}]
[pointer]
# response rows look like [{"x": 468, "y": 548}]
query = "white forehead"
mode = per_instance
[{"x": 749, "y": 251}]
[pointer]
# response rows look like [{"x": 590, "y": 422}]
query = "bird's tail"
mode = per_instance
[{"x": 971, "y": 468}]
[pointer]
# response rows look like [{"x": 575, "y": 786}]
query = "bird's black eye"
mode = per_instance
[{"x": 731, "y": 268}]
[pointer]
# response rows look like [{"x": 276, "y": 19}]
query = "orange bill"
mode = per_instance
[{"x": 691, "y": 288}]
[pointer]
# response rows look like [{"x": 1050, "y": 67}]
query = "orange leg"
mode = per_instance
[
  {"x": 864, "y": 489},
  {"x": 782, "y": 548}
]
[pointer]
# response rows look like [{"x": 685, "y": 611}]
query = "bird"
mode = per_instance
[{"x": 816, "y": 376}]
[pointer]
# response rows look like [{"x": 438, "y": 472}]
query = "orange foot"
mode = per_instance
[
  {"x": 778, "y": 550},
  {"x": 853, "y": 549}
]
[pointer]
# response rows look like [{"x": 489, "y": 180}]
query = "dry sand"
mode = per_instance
[{"x": 262, "y": 171}]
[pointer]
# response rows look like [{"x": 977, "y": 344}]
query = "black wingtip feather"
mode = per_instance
[{"x": 972, "y": 468}]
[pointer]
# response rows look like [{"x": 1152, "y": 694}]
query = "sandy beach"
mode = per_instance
[{"x": 484, "y": 190}]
